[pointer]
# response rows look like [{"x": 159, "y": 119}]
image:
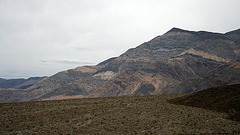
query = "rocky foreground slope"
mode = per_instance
[
  {"x": 178, "y": 61},
  {"x": 223, "y": 99}
]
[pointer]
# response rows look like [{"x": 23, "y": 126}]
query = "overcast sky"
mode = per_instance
[{"x": 43, "y": 37}]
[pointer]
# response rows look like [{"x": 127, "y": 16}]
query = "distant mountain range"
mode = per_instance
[
  {"x": 179, "y": 61},
  {"x": 19, "y": 83}
]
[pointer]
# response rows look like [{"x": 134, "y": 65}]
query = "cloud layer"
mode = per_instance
[{"x": 39, "y": 38}]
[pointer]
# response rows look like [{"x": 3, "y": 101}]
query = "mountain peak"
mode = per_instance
[
  {"x": 174, "y": 29},
  {"x": 202, "y": 35}
]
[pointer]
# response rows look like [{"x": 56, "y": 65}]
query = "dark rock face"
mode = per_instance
[
  {"x": 145, "y": 89},
  {"x": 179, "y": 61}
]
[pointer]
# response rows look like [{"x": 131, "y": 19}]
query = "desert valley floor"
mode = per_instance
[{"x": 113, "y": 115}]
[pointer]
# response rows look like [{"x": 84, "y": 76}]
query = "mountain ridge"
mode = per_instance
[{"x": 172, "y": 60}]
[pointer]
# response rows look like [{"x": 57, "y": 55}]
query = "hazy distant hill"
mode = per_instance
[
  {"x": 18, "y": 83},
  {"x": 179, "y": 61}
]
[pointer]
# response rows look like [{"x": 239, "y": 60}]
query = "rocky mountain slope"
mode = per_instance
[
  {"x": 226, "y": 74},
  {"x": 176, "y": 62},
  {"x": 234, "y": 36}
]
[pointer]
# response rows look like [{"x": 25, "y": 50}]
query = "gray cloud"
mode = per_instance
[{"x": 90, "y": 31}]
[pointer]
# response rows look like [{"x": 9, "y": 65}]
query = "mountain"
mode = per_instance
[
  {"x": 165, "y": 62},
  {"x": 18, "y": 83},
  {"x": 223, "y": 99},
  {"x": 176, "y": 62}
]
